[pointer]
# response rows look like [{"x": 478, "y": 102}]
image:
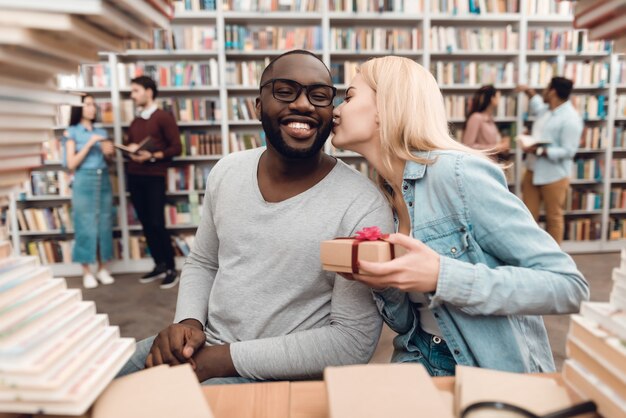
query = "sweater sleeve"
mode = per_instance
[{"x": 171, "y": 136}]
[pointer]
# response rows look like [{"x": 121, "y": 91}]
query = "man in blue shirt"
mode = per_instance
[{"x": 548, "y": 167}]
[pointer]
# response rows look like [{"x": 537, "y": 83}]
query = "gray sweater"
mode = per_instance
[{"x": 254, "y": 275}]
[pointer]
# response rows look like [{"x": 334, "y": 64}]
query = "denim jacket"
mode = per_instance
[{"x": 498, "y": 270}]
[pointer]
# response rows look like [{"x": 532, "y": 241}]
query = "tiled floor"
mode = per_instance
[{"x": 142, "y": 310}]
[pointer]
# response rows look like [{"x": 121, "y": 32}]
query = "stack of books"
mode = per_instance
[
  {"x": 596, "y": 350},
  {"x": 42, "y": 39},
  {"x": 56, "y": 354},
  {"x": 605, "y": 19}
]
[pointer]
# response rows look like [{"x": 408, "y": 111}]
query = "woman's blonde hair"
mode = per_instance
[{"x": 411, "y": 111}]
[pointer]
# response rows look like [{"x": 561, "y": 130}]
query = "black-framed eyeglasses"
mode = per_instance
[
  {"x": 516, "y": 411},
  {"x": 287, "y": 91}
]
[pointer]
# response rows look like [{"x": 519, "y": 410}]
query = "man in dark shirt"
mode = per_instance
[{"x": 146, "y": 175}]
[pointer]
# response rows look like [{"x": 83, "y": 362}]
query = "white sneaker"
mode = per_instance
[
  {"x": 89, "y": 282},
  {"x": 105, "y": 277}
]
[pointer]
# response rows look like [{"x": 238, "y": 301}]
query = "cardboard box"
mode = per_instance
[{"x": 336, "y": 254}]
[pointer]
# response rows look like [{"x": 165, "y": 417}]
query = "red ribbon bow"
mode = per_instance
[{"x": 371, "y": 233}]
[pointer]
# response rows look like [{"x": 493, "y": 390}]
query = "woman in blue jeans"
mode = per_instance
[
  {"x": 92, "y": 199},
  {"x": 479, "y": 272}
]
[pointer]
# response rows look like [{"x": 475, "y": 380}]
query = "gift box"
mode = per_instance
[{"x": 342, "y": 254}]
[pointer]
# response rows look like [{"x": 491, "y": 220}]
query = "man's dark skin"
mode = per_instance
[{"x": 290, "y": 165}]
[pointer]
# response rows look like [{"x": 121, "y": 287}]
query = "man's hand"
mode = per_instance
[
  {"x": 530, "y": 150},
  {"x": 133, "y": 147},
  {"x": 214, "y": 361},
  {"x": 177, "y": 344},
  {"x": 522, "y": 88},
  {"x": 141, "y": 157}
]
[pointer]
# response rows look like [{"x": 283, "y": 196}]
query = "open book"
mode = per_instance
[
  {"x": 528, "y": 141},
  {"x": 128, "y": 150}
]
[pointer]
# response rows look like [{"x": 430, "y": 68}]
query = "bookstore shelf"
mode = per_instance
[
  {"x": 245, "y": 122},
  {"x": 550, "y": 20},
  {"x": 617, "y": 211},
  {"x": 374, "y": 19},
  {"x": 567, "y": 54},
  {"x": 243, "y": 88},
  {"x": 474, "y": 54},
  {"x": 474, "y": 18},
  {"x": 158, "y": 54},
  {"x": 46, "y": 233},
  {"x": 198, "y": 158},
  {"x": 282, "y": 18},
  {"x": 462, "y": 87},
  {"x": 196, "y": 16},
  {"x": 578, "y": 182},
  {"x": 368, "y": 54},
  {"x": 260, "y": 53},
  {"x": 49, "y": 198}
]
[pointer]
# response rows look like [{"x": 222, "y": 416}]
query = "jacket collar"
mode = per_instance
[{"x": 414, "y": 170}]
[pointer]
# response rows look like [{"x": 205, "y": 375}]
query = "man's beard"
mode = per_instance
[{"x": 275, "y": 139}]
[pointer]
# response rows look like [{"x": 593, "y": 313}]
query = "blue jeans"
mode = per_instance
[
  {"x": 432, "y": 352},
  {"x": 138, "y": 360}
]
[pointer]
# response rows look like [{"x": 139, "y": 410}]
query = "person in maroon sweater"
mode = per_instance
[{"x": 146, "y": 175}]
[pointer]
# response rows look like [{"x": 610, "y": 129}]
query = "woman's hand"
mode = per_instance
[
  {"x": 107, "y": 148},
  {"x": 95, "y": 138},
  {"x": 415, "y": 271}
]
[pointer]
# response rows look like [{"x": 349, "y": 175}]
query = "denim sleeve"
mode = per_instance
[
  {"x": 535, "y": 278},
  {"x": 570, "y": 138},
  {"x": 395, "y": 308},
  {"x": 536, "y": 106},
  {"x": 200, "y": 267}
]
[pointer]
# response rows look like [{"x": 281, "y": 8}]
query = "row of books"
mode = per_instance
[
  {"x": 244, "y": 73},
  {"x": 453, "y": 39},
  {"x": 199, "y": 143},
  {"x": 561, "y": 39},
  {"x": 187, "y": 178},
  {"x": 619, "y": 140},
  {"x": 581, "y": 73},
  {"x": 583, "y": 200},
  {"x": 183, "y": 212},
  {"x": 239, "y": 141},
  {"x": 171, "y": 74},
  {"x": 252, "y": 38},
  {"x": 48, "y": 251},
  {"x": 583, "y": 229},
  {"x": 187, "y": 38},
  {"x": 617, "y": 228},
  {"x": 590, "y": 107},
  {"x": 617, "y": 198},
  {"x": 596, "y": 349},
  {"x": 49, "y": 183},
  {"x": 587, "y": 169},
  {"x": 461, "y": 7},
  {"x": 618, "y": 168},
  {"x": 548, "y": 8},
  {"x": 271, "y": 5},
  {"x": 241, "y": 108},
  {"x": 621, "y": 106},
  {"x": 376, "y": 6},
  {"x": 375, "y": 39},
  {"x": 457, "y": 106},
  {"x": 604, "y": 20},
  {"x": 192, "y": 109},
  {"x": 45, "y": 219},
  {"x": 194, "y": 5},
  {"x": 343, "y": 72},
  {"x": 474, "y": 73},
  {"x": 593, "y": 138}
]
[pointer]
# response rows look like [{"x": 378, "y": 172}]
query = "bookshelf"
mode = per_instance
[{"x": 232, "y": 47}]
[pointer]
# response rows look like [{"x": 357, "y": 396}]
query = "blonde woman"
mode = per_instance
[{"x": 479, "y": 272}]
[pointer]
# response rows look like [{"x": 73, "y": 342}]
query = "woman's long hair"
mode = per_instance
[
  {"x": 411, "y": 112},
  {"x": 76, "y": 112},
  {"x": 481, "y": 100}
]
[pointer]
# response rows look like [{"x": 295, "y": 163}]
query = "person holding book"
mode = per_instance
[
  {"x": 557, "y": 130},
  {"x": 86, "y": 150},
  {"x": 153, "y": 139},
  {"x": 480, "y": 130},
  {"x": 254, "y": 302},
  {"x": 478, "y": 271}
]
